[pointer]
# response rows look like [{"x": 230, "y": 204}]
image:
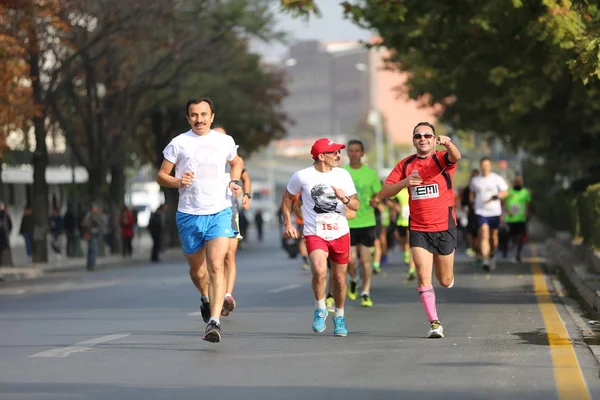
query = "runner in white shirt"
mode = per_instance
[
  {"x": 326, "y": 192},
  {"x": 203, "y": 215},
  {"x": 230, "y": 259},
  {"x": 487, "y": 189}
]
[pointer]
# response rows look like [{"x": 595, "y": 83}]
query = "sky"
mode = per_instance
[{"x": 330, "y": 26}]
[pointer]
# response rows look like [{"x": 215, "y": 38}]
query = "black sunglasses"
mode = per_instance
[
  {"x": 425, "y": 135},
  {"x": 333, "y": 152}
]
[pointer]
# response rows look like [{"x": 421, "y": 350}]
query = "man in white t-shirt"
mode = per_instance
[
  {"x": 487, "y": 191},
  {"x": 203, "y": 214},
  {"x": 326, "y": 192},
  {"x": 230, "y": 262}
]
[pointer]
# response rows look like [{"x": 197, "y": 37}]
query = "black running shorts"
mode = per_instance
[
  {"x": 363, "y": 236},
  {"x": 442, "y": 243}
]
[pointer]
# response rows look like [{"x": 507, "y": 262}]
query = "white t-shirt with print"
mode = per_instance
[
  {"x": 484, "y": 188},
  {"x": 206, "y": 156},
  {"x": 324, "y": 215}
]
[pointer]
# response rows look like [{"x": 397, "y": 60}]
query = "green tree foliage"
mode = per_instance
[{"x": 499, "y": 67}]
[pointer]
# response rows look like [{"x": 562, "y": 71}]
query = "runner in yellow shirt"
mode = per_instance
[{"x": 402, "y": 230}]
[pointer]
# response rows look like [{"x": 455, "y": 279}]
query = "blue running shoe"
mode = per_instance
[
  {"x": 319, "y": 321},
  {"x": 339, "y": 326}
]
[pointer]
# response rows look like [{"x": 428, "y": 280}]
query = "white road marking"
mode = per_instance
[
  {"x": 195, "y": 314},
  {"x": 284, "y": 288},
  {"x": 78, "y": 347}
]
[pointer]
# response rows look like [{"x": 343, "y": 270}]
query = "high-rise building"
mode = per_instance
[{"x": 335, "y": 86}]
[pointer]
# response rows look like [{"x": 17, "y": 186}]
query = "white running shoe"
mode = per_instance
[{"x": 436, "y": 331}]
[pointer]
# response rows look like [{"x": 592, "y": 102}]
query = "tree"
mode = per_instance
[
  {"x": 125, "y": 66},
  {"x": 568, "y": 24},
  {"x": 493, "y": 67},
  {"x": 33, "y": 28}
]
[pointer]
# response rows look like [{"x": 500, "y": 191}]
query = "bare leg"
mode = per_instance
[
  {"x": 198, "y": 270},
  {"x": 216, "y": 250},
  {"x": 230, "y": 265},
  {"x": 367, "y": 270},
  {"x": 338, "y": 283},
  {"x": 352, "y": 264},
  {"x": 444, "y": 268},
  {"x": 318, "y": 260}
]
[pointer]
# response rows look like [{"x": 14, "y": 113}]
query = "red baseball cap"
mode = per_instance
[{"x": 325, "y": 145}]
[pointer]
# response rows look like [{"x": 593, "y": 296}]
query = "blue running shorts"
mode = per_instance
[
  {"x": 196, "y": 230},
  {"x": 493, "y": 222}
]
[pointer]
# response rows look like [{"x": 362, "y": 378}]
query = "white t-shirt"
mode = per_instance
[
  {"x": 324, "y": 215},
  {"x": 206, "y": 156},
  {"x": 484, "y": 188}
]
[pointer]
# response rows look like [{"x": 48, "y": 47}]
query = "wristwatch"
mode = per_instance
[
  {"x": 346, "y": 201},
  {"x": 247, "y": 194},
  {"x": 234, "y": 181}
]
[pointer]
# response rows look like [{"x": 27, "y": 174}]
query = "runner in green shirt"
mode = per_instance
[
  {"x": 517, "y": 208},
  {"x": 362, "y": 227}
]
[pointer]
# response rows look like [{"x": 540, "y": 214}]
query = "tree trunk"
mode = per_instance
[
  {"x": 161, "y": 140},
  {"x": 96, "y": 181},
  {"x": 116, "y": 202},
  {"x": 2, "y": 191},
  {"x": 40, "y": 159}
]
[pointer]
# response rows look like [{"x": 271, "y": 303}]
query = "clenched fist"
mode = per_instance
[
  {"x": 186, "y": 179},
  {"x": 444, "y": 140}
]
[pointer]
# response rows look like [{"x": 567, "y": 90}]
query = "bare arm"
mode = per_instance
[
  {"x": 353, "y": 204},
  {"x": 503, "y": 194},
  {"x": 392, "y": 189},
  {"x": 297, "y": 209},
  {"x": 247, "y": 183},
  {"x": 350, "y": 214},
  {"x": 453, "y": 152},
  {"x": 237, "y": 164},
  {"x": 247, "y": 187},
  {"x": 286, "y": 208},
  {"x": 164, "y": 178}
]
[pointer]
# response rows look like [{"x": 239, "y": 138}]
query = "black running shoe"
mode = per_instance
[
  {"x": 212, "y": 333},
  {"x": 205, "y": 311}
]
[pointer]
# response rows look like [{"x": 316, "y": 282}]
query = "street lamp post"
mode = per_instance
[{"x": 374, "y": 120}]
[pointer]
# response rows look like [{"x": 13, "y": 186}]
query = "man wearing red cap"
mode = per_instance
[{"x": 326, "y": 192}]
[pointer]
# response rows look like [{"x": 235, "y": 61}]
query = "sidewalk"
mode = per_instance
[
  {"x": 579, "y": 267},
  {"x": 25, "y": 269}
]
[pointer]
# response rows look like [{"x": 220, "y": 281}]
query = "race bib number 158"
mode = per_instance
[{"x": 331, "y": 226}]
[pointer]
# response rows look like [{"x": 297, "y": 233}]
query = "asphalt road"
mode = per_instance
[{"x": 135, "y": 333}]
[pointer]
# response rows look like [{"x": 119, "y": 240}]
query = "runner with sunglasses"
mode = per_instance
[
  {"x": 432, "y": 224},
  {"x": 326, "y": 191}
]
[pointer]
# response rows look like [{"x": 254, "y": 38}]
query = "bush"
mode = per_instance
[{"x": 589, "y": 214}]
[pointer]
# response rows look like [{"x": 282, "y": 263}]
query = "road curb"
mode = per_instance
[
  {"x": 14, "y": 274},
  {"x": 580, "y": 276}
]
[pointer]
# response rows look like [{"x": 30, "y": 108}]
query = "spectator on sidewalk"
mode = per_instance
[
  {"x": 27, "y": 230},
  {"x": 244, "y": 223},
  {"x": 70, "y": 226},
  {"x": 258, "y": 221},
  {"x": 56, "y": 230},
  {"x": 5, "y": 229},
  {"x": 106, "y": 232},
  {"x": 127, "y": 228},
  {"x": 92, "y": 226},
  {"x": 156, "y": 226}
]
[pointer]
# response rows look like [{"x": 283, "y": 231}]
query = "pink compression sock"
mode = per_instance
[{"x": 428, "y": 300}]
